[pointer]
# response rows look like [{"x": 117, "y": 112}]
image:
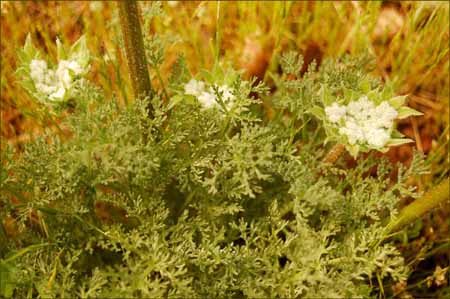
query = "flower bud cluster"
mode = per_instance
[
  {"x": 54, "y": 83},
  {"x": 362, "y": 122},
  {"x": 208, "y": 96}
]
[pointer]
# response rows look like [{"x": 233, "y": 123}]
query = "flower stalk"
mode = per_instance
[
  {"x": 134, "y": 49},
  {"x": 419, "y": 207}
]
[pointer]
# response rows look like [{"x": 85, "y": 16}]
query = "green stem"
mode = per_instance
[
  {"x": 158, "y": 75},
  {"x": 218, "y": 36},
  {"x": 429, "y": 201},
  {"x": 134, "y": 49},
  {"x": 334, "y": 153},
  {"x": 280, "y": 25}
]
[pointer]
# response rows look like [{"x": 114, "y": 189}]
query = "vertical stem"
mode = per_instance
[
  {"x": 430, "y": 200},
  {"x": 134, "y": 49},
  {"x": 334, "y": 153},
  {"x": 218, "y": 35}
]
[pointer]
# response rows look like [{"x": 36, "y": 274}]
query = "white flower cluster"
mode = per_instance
[
  {"x": 54, "y": 83},
  {"x": 208, "y": 97},
  {"x": 363, "y": 122}
]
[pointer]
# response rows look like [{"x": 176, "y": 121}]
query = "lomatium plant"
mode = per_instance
[{"x": 209, "y": 195}]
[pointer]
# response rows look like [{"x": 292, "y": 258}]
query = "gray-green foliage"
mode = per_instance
[{"x": 197, "y": 202}]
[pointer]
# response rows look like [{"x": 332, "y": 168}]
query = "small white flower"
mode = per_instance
[
  {"x": 377, "y": 137},
  {"x": 59, "y": 94},
  {"x": 361, "y": 108},
  {"x": 75, "y": 67},
  {"x": 227, "y": 93},
  {"x": 38, "y": 68},
  {"x": 43, "y": 78},
  {"x": 194, "y": 87},
  {"x": 46, "y": 89},
  {"x": 335, "y": 112},
  {"x": 385, "y": 114},
  {"x": 65, "y": 70},
  {"x": 353, "y": 132},
  {"x": 48, "y": 78},
  {"x": 63, "y": 76},
  {"x": 207, "y": 99}
]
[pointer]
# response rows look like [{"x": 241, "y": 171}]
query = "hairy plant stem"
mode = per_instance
[
  {"x": 134, "y": 49},
  {"x": 429, "y": 201},
  {"x": 336, "y": 151}
]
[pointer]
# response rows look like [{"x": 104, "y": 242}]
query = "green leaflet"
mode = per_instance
[{"x": 404, "y": 112}]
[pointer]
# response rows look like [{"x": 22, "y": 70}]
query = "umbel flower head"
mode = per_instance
[
  {"x": 54, "y": 84},
  {"x": 209, "y": 97},
  {"x": 363, "y": 121},
  {"x": 51, "y": 85}
]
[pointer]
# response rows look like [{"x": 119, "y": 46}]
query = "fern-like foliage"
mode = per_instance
[{"x": 197, "y": 202}]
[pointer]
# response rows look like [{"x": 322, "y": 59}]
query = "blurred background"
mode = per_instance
[{"x": 408, "y": 40}]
